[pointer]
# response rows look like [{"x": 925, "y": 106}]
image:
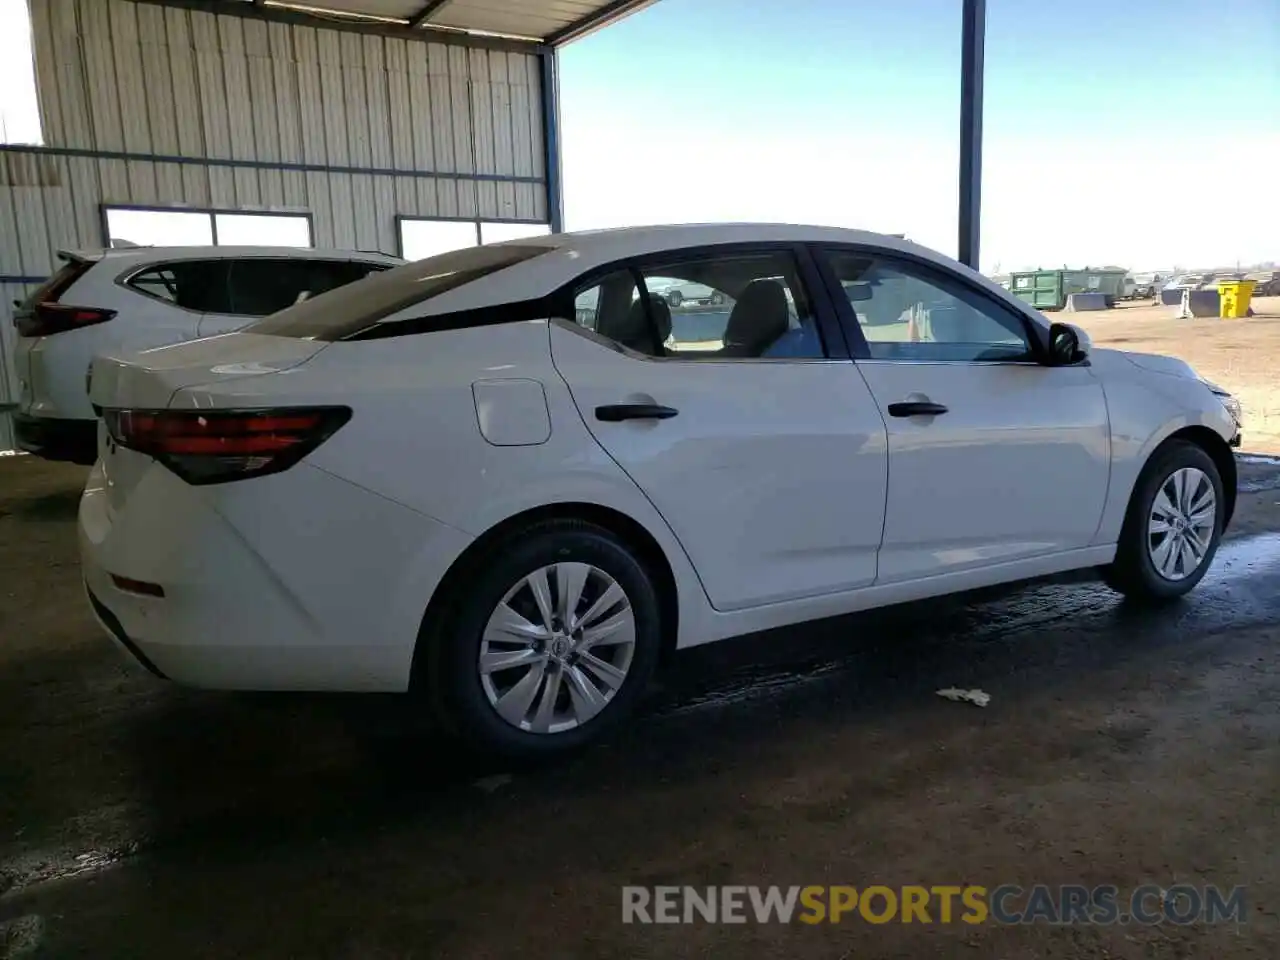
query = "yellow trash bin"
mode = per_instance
[{"x": 1234, "y": 297}]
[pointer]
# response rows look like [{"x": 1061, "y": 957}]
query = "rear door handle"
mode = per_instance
[
  {"x": 916, "y": 408},
  {"x": 615, "y": 412}
]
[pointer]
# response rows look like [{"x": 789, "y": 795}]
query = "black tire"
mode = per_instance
[
  {"x": 717, "y": 299},
  {"x": 675, "y": 298},
  {"x": 1133, "y": 573},
  {"x": 455, "y": 685}
]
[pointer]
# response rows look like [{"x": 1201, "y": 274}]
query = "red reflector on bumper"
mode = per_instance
[{"x": 140, "y": 587}]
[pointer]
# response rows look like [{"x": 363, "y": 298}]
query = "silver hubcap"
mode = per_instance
[
  {"x": 1181, "y": 526},
  {"x": 557, "y": 648}
]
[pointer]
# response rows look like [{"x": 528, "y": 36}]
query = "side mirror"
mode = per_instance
[{"x": 1068, "y": 344}]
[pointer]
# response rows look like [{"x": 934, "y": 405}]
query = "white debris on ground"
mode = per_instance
[
  {"x": 979, "y": 698},
  {"x": 495, "y": 782}
]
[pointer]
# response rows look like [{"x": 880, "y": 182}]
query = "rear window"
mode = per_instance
[
  {"x": 56, "y": 285},
  {"x": 348, "y": 310}
]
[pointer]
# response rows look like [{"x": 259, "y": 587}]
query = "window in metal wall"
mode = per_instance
[
  {"x": 158, "y": 228},
  {"x": 420, "y": 239},
  {"x": 498, "y": 232},
  {"x": 262, "y": 230},
  {"x": 19, "y": 106},
  {"x": 127, "y": 227}
]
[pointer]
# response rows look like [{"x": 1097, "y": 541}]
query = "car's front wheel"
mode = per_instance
[
  {"x": 1173, "y": 526},
  {"x": 552, "y": 641}
]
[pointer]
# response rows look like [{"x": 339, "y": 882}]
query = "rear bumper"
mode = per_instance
[
  {"x": 74, "y": 441},
  {"x": 109, "y": 622},
  {"x": 296, "y": 581}
]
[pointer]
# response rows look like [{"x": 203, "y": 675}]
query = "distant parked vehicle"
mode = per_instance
[
  {"x": 1266, "y": 283},
  {"x": 134, "y": 298},
  {"x": 1187, "y": 281},
  {"x": 1146, "y": 286},
  {"x": 680, "y": 292}
]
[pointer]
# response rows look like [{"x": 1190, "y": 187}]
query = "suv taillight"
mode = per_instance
[
  {"x": 47, "y": 318},
  {"x": 204, "y": 447}
]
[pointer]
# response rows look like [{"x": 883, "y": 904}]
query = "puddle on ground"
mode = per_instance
[
  {"x": 34, "y": 869},
  {"x": 1031, "y": 610},
  {"x": 1223, "y": 600}
]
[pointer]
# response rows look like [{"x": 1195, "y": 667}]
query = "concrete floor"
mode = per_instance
[{"x": 141, "y": 820}]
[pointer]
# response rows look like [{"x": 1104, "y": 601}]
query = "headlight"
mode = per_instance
[
  {"x": 1233, "y": 408},
  {"x": 1228, "y": 401}
]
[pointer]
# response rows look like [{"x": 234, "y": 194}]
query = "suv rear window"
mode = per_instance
[
  {"x": 351, "y": 309},
  {"x": 58, "y": 284}
]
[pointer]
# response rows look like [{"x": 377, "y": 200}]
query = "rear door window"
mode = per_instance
[{"x": 199, "y": 285}]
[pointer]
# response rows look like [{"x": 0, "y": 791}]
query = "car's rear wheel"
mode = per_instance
[
  {"x": 1173, "y": 526},
  {"x": 555, "y": 637}
]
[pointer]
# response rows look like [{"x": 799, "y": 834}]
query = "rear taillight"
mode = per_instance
[
  {"x": 205, "y": 447},
  {"x": 48, "y": 318}
]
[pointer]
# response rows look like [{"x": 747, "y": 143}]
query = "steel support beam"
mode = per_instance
[
  {"x": 426, "y": 13},
  {"x": 594, "y": 21},
  {"x": 401, "y": 31},
  {"x": 551, "y": 139},
  {"x": 973, "y": 32}
]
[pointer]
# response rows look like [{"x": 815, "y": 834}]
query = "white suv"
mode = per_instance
[{"x": 140, "y": 297}]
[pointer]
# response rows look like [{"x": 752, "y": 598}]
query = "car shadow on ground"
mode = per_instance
[
  {"x": 61, "y": 505},
  {"x": 239, "y": 772}
]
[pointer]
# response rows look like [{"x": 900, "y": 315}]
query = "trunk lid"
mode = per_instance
[{"x": 148, "y": 379}]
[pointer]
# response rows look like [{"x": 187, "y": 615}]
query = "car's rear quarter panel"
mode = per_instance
[{"x": 414, "y": 438}]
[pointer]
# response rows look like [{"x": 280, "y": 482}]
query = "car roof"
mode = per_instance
[
  {"x": 130, "y": 255},
  {"x": 621, "y": 242},
  {"x": 570, "y": 255}
]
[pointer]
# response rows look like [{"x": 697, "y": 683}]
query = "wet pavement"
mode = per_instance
[{"x": 1121, "y": 746}]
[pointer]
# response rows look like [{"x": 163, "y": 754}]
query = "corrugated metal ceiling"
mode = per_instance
[{"x": 550, "y": 21}]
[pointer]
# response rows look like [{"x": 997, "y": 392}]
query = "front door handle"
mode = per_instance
[
  {"x": 916, "y": 408},
  {"x": 616, "y": 412}
]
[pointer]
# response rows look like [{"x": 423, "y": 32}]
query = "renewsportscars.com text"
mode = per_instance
[{"x": 1180, "y": 904}]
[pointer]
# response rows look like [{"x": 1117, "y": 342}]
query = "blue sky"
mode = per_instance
[{"x": 1104, "y": 123}]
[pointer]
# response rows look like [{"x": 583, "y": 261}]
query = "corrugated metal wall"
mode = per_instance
[
  {"x": 239, "y": 113},
  {"x": 9, "y": 292}
]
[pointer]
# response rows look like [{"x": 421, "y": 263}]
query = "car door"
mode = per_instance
[
  {"x": 763, "y": 450},
  {"x": 993, "y": 456}
]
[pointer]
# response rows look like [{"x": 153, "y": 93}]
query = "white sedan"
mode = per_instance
[{"x": 483, "y": 477}]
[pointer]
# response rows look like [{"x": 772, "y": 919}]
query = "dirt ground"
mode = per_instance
[
  {"x": 1240, "y": 355},
  {"x": 1121, "y": 747}
]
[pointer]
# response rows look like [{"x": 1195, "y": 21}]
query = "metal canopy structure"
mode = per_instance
[{"x": 551, "y": 22}]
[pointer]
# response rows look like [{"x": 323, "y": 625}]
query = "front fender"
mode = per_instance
[{"x": 1143, "y": 416}]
